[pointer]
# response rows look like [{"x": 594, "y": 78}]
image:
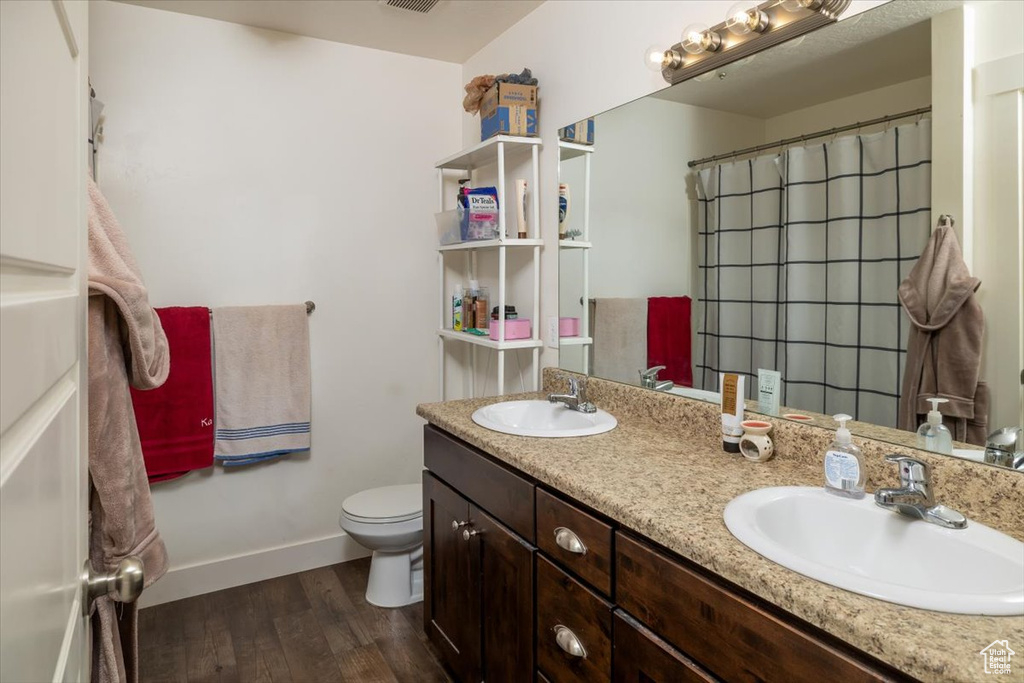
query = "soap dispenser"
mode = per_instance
[
  {"x": 844, "y": 465},
  {"x": 933, "y": 435}
]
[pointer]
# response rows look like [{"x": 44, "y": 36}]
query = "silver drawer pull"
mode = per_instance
[
  {"x": 456, "y": 524},
  {"x": 566, "y": 539},
  {"x": 568, "y": 641}
]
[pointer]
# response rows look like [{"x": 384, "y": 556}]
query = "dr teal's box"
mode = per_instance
[{"x": 509, "y": 109}]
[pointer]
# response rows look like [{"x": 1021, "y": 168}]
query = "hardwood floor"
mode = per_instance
[{"x": 308, "y": 627}]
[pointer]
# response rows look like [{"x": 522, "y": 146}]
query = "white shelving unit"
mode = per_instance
[
  {"x": 566, "y": 151},
  {"x": 493, "y": 151}
]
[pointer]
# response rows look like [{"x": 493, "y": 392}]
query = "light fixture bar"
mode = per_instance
[{"x": 783, "y": 24}]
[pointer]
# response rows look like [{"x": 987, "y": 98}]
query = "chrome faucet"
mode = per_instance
[
  {"x": 649, "y": 379},
  {"x": 914, "y": 497},
  {"x": 1005, "y": 447},
  {"x": 576, "y": 399}
]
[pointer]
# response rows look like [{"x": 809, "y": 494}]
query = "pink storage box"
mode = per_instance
[
  {"x": 518, "y": 328},
  {"x": 568, "y": 327}
]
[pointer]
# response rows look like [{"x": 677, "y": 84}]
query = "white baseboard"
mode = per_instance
[{"x": 197, "y": 579}]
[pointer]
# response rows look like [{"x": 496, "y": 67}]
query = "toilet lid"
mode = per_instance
[{"x": 385, "y": 504}]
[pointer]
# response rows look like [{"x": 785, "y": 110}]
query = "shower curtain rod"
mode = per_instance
[{"x": 811, "y": 136}]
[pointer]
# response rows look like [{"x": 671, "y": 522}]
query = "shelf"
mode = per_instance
[
  {"x": 490, "y": 343},
  {"x": 491, "y": 244},
  {"x": 571, "y": 150},
  {"x": 486, "y": 152},
  {"x": 575, "y": 341},
  {"x": 574, "y": 244}
]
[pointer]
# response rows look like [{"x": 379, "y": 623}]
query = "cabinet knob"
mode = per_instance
[
  {"x": 568, "y": 641},
  {"x": 469, "y": 533},
  {"x": 456, "y": 524},
  {"x": 566, "y": 539}
]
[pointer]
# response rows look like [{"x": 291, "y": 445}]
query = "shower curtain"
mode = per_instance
[{"x": 800, "y": 256}]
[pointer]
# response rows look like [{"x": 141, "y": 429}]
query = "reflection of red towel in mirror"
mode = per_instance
[
  {"x": 668, "y": 338},
  {"x": 176, "y": 420}
]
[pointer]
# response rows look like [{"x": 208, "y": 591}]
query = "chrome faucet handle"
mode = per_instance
[
  {"x": 912, "y": 471},
  {"x": 651, "y": 373},
  {"x": 574, "y": 386}
]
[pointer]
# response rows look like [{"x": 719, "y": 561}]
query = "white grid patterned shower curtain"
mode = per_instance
[{"x": 840, "y": 222}]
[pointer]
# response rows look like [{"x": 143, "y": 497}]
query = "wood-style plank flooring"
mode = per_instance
[{"x": 302, "y": 628}]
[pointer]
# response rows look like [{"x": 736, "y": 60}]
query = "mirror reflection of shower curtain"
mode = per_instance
[{"x": 852, "y": 215}]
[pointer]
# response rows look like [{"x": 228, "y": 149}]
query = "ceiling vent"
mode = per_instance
[{"x": 421, "y": 6}]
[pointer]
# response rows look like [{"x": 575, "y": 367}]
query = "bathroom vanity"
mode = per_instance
[{"x": 606, "y": 558}]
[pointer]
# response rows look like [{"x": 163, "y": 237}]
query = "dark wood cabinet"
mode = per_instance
[
  {"x": 504, "y": 570},
  {"x": 451, "y": 599},
  {"x": 478, "y": 597},
  {"x": 642, "y": 657},
  {"x": 584, "y": 619},
  {"x": 494, "y": 605}
]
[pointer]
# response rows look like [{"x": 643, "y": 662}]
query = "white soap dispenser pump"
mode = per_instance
[
  {"x": 844, "y": 465},
  {"x": 933, "y": 435}
]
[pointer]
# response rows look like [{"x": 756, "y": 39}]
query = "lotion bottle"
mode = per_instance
[
  {"x": 933, "y": 435},
  {"x": 844, "y": 464}
]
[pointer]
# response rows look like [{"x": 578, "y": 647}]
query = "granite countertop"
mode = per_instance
[{"x": 672, "y": 488}]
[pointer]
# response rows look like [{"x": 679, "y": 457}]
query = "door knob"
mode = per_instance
[
  {"x": 124, "y": 584},
  {"x": 467, "y": 534},
  {"x": 456, "y": 524}
]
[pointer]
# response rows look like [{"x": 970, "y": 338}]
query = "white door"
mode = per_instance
[{"x": 43, "y": 381}]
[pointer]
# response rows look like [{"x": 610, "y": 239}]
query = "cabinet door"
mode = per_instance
[
  {"x": 505, "y": 563},
  {"x": 641, "y": 657},
  {"x": 451, "y": 596}
]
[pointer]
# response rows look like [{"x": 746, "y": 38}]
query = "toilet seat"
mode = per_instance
[{"x": 385, "y": 505}]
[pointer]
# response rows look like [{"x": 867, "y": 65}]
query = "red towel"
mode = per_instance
[
  {"x": 668, "y": 338},
  {"x": 176, "y": 420}
]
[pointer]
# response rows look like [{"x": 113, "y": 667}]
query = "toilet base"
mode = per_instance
[{"x": 396, "y": 579}]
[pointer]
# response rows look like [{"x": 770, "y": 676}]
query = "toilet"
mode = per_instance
[{"x": 389, "y": 521}]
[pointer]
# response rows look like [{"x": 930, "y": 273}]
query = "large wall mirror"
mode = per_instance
[{"x": 778, "y": 214}]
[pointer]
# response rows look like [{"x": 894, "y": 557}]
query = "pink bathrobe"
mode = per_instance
[
  {"x": 944, "y": 347},
  {"x": 126, "y": 346}
]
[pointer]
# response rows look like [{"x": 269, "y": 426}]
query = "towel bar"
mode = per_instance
[{"x": 310, "y": 307}]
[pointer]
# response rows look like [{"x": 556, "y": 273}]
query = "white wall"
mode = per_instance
[
  {"x": 254, "y": 167},
  {"x": 863, "y": 106},
  {"x": 998, "y": 220}
]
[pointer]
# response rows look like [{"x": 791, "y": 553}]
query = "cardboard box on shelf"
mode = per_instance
[
  {"x": 509, "y": 109},
  {"x": 581, "y": 133}
]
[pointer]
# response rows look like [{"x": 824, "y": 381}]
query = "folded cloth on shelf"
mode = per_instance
[
  {"x": 668, "y": 338},
  {"x": 620, "y": 339},
  {"x": 176, "y": 420},
  {"x": 262, "y": 382}
]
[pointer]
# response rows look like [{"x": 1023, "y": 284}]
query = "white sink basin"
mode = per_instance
[
  {"x": 541, "y": 418},
  {"x": 856, "y": 545}
]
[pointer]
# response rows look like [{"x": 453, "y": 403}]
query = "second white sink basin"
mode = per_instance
[
  {"x": 541, "y": 418},
  {"x": 856, "y": 545}
]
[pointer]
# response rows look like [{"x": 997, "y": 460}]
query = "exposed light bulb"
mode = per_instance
[
  {"x": 744, "y": 17},
  {"x": 658, "y": 59},
  {"x": 698, "y": 38}
]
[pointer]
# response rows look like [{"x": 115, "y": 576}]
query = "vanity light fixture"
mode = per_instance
[
  {"x": 745, "y": 17},
  {"x": 797, "y": 5},
  {"x": 749, "y": 28},
  {"x": 698, "y": 39}
]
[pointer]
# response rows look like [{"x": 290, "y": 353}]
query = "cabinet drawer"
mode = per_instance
[
  {"x": 642, "y": 657},
  {"x": 577, "y": 540},
  {"x": 730, "y": 635},
  {"x": 565, "y": 603},
  {"x": 504, "y": 494}
]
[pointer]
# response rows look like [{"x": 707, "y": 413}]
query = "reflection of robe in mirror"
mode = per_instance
[{"x": 944, "y": 347}]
